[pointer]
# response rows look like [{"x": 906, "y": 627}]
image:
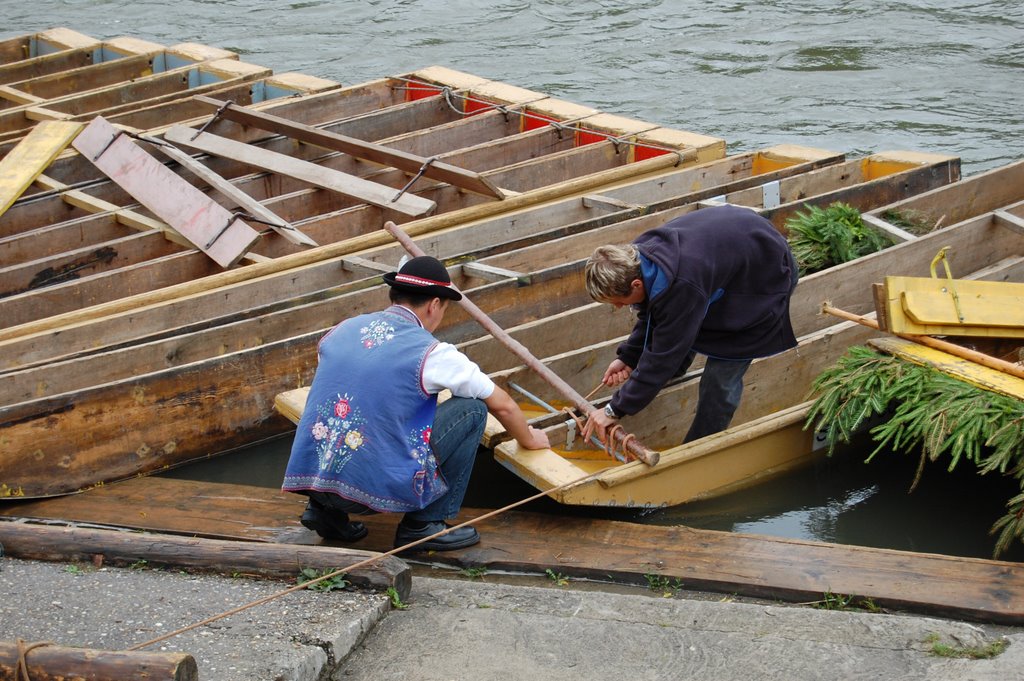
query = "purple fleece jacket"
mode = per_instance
[{"x": 718, "y": 282}]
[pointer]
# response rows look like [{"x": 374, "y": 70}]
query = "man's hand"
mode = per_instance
[
  {"x": 537, "y": 439},
  {"x": 598, "y": 424},
  {"x": 616, "y": 373}
]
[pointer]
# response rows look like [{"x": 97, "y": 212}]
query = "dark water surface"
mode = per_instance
[{"x": 857, "y": 76}]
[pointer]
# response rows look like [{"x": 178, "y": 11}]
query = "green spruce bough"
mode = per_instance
[
  {"x": 823, "y": 237},
  {"x": 929, "y": 412}
]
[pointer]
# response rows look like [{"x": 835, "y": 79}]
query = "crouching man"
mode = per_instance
[{"x": 373, "y": 437}]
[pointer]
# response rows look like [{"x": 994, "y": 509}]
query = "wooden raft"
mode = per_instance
[{"x": 794, "y": 570}]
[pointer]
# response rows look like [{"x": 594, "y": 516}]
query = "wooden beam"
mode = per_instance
[
  {"x": 971, "y": 372},
  {"x": 124, "y": 216},
  {"x": 33, "y": 541},
  {"x": 210, "y": 227},
  {"x": 897, "y": 234},
  {"x": 606, "y": 203},
  {"x": 492, "y": 273},
  {"x": 354, "y": 263},
  {"x": 241, "y": 199},
  {"x": 17, "y": 96},
  {"x": 318, "y": 176},
  {"x": 377, "y": 153},
  {"x": 56, "y": 663},
  {"x": 1010, "y": 221}
]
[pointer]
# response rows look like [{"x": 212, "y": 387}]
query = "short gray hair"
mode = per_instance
[{"x": 610, "y": 271}]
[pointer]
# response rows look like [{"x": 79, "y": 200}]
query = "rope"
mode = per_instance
[
  {"x": 23, "y": 650},
  {"x": 617, "y": 429},
  {"x": 341, "y": 571},
  {"x": 579, "y": 422}
]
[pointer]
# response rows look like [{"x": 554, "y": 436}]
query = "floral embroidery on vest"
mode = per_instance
[
  {"x": 419, "y": 450},
  {"x": 337, "y": 432},
  {"x": 375, "y": 333}
]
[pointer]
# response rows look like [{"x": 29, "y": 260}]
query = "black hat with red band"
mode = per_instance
[{"x": 424, "y": 275}]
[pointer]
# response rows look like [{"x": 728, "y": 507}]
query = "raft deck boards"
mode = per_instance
[{"x": 969, "y": 588}]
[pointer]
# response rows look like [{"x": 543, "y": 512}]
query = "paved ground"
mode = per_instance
[{"x": 529, "y": 630}]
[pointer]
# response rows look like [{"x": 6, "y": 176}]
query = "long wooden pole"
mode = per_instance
[
  {"x": 635, "y": 448},
  {"x": 951, "y": 348}
]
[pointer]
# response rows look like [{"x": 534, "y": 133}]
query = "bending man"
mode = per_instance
[{"x": 717, "y": 282}]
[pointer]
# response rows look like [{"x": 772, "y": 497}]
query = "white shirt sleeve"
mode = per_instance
[{"x": 447, "y": 368}]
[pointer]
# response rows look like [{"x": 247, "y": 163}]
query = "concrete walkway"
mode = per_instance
[{"x": 531, "y": 630}]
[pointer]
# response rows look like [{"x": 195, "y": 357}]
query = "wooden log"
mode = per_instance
[
  {"x": 54, "y": 543},
  {"x": 47, "y": 662}
]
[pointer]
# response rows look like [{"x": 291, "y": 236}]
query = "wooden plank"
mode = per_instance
[
  {"x": 18, "y": 96},
  {"x": 193, "y": 214},
  {"x": 581, "y": 547},
  {"x": 33, "y": 541},
  {"x": 234, "y": 193},
  {"x": 377, "y": 153},
  {"x": 364, "y": 266},
  {"x": 318, "y": 176},
  {"x": 72, "y": 264},
  {"x": 486, "y": 272},
  {"x": 957, "y": 367},
  {"x": 168, "y": 295},
  {"x": 26, "y": 162}
]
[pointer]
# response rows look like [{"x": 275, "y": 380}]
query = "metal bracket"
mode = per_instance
[
  {"x": 570, "y": 433},
  {"x": 214, "y": 117},
  {"x": 106, "y": 146}
]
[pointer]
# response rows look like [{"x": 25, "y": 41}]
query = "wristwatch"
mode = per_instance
[{"x": 609, "y": 412}]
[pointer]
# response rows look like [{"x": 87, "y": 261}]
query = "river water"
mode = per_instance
[{"x": 857, "y": 76}]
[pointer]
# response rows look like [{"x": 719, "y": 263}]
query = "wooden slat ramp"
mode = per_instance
[{"x": 967, "y": 588}]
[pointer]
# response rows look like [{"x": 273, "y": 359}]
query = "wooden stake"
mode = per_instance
[
  {"x": 48, "y": 662},
  {"x": 638, "y": 450}
]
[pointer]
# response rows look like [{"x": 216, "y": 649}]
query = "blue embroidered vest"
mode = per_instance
[{"x": 365, "y": 431}]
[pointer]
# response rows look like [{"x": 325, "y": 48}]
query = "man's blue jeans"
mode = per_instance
[
  {"x": 718, "y": 396},
  {"x": 458, "y": 426}
]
